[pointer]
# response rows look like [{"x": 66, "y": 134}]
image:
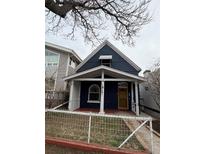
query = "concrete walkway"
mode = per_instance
[{"x": 143, "y": 135}]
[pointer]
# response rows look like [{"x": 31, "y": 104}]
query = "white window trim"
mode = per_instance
[
  {"x": 93, "y": 101},
  {"x": 105, "y": 57}
]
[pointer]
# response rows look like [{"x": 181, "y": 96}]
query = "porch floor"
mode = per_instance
[{"x": 111, "y": 112}]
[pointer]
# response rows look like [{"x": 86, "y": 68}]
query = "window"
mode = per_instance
[
  {"x": 55, "y": 64},
  {"x": 51, "y": 64},
  {"x": 106, "y": 62},
  {"x": 94, "y": 94},
  {"x": 51, "y": 57},
  {"x": 122, "y": 84},
  {"x": 146, "y": 88}
]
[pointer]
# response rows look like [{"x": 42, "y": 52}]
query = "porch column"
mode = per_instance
[
  {"x": 132, "y": 97},
  {"x": 136, "y": 99},
  {"x": 102, "y": 94},
  {"x": 70, "y": 95}
]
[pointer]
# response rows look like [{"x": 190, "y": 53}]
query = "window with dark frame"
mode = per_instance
[
  {"x": 146, "y": 88},
  {"x": 106, "y": 62}
]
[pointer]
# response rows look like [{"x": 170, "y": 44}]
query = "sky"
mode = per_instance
[{"x": 147, "y": 45}]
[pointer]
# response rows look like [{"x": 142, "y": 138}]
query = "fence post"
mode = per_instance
[
  {"x": 89, "y": 128},
  {"x": 151, "y": 136}
]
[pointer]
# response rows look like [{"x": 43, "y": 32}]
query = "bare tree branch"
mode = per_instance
[
  {"x": 90, "y": 16},
  {"x": 153, "y": 83}
]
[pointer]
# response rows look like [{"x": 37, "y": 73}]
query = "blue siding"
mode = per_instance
[
  {"x": 129, "y": 95},
  {"x": 117, "y": 61},
  {"x": 134, "y": 92},
  {"x": 84, "y": 95},
  {"x": 110, "y": 97}
]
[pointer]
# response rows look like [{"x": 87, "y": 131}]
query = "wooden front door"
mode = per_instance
[{"x": 123, "y": 98}]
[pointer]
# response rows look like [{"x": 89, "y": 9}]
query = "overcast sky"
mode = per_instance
[{"x": 145, "y": 52}]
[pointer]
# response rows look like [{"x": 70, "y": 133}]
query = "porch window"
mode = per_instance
[{"x": 94, "y": 94}]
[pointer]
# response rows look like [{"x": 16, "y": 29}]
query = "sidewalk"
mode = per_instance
[{"x": 143, "y": 135}]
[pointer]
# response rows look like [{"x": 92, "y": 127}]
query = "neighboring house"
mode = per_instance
[
  {"x": 106, "y": 79},
  {"x": 150, "y": 94},
  {"x": 59, "y": 62}
]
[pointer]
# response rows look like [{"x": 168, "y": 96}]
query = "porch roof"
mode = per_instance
[{"x": 96, "y": 71}]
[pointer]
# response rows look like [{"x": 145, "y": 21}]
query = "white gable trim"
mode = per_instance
[
  {"x": 123, "y": 73},
  {"x": 82, "y": 73},
  {"x": 90, "y": 55},
  {"x": 104, "y": 68},
  {"x": 124, "y": 56},
  {"x": 115, "y": 49}
]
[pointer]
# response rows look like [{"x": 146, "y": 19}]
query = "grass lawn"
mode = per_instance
[{"x": 105, "y": 131}]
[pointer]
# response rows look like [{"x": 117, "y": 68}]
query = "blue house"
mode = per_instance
[{"x": 106, "y": 79}]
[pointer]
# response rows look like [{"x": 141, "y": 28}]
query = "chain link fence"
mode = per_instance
[{"x": 108, "y": 130}]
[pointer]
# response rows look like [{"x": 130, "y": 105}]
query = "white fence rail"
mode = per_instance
[{"x": 104, "y": 129}]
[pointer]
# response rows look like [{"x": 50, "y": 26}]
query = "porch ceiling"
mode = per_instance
[{"x": 98, "y": 73}]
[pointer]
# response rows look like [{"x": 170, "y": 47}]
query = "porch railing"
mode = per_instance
[
  {"x": 104, "y": 129},
  {"x": 55, "y": 98}
]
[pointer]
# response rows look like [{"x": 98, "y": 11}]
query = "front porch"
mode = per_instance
[{"x": 104, "y": 90}]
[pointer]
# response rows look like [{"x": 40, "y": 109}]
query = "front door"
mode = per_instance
[{"x": 123, "y": 98}]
